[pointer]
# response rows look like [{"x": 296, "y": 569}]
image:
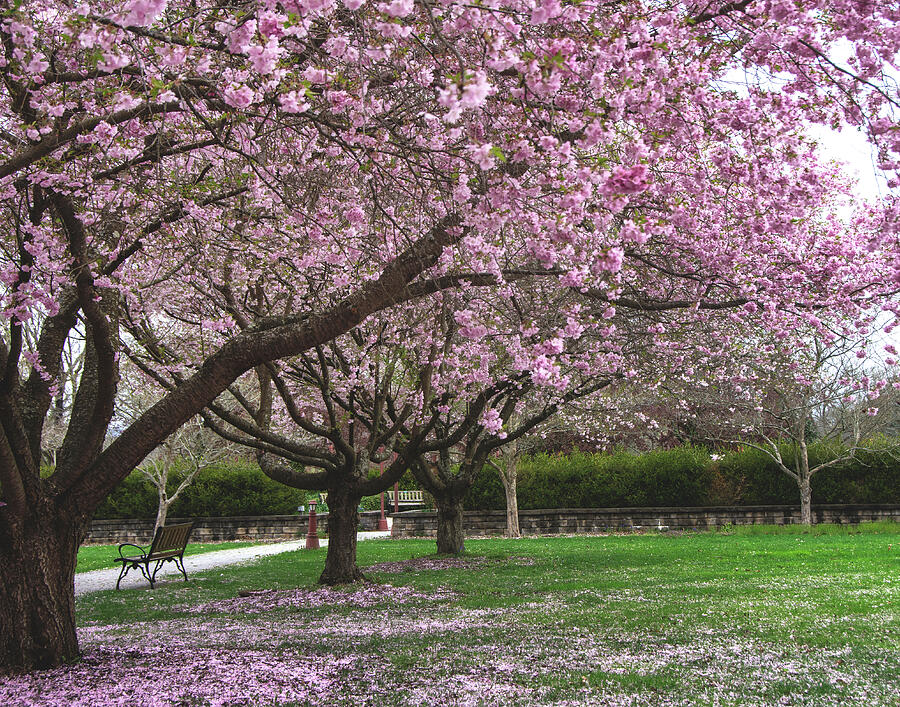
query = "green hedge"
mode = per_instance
[
  {"x": 754, "y": 479},
  {"x": 235, "y": 488},
  {"x": 686, "y": 476}
]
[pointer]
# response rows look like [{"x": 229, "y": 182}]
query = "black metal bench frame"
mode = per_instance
[{"x": 168, "y": 545}]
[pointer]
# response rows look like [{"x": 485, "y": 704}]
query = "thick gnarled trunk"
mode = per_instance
[
  {"x": 343, "y": 521},
  {"x": 37, "y": 599},
  {"x": 451, "y": 538}
]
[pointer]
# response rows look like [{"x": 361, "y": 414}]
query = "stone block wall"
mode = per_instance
[
  {"x": 208, "y": 530},
  {"x": 560, "y": 521},
  {"x": 563, "y": 521}
]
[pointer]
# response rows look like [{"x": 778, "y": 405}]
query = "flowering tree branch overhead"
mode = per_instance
[{"x": 339, "y": 158}]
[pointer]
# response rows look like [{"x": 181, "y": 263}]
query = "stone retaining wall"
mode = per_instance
[
  {"x": 597, "y": 520},
  {"x": 206, "y": 530},
  {"x": 408, "y": 524}
]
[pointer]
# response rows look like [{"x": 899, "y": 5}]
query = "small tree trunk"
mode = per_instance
[
  {"x": 451, "y": 538},
  {"x": 343, "y": 521},
  {"x": 37, "y": 592},
  {"x": 804, "y": 481},
  {"x": 508, "y": 476},
  {"x": 805, "y": 501},
  {"x": 161, "y": 512}
]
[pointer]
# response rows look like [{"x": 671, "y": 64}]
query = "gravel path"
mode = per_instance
[{"x": 98, "y": 580}]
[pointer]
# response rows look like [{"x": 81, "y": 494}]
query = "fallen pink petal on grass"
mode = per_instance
[{"x": 363, "y": 596}]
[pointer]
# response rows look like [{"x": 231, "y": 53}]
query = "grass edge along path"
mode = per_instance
[
  {"x": 102, "y": 557},
  {"x": 669, "y": 619}
]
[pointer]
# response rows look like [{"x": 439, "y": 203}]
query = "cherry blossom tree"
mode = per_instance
[
  {"x": 357, "y": 156},
  {"x": 71, "y": 360},
  {"x": 502, "y": 367},
  {"x": 320, "y": 421}
]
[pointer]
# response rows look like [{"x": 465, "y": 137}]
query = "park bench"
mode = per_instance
[
  {"x": 168, "y": 546},
  {"x": 406, "y": 498}
]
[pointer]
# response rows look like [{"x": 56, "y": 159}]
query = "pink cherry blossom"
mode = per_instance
[{"x": 144, "y": 12}]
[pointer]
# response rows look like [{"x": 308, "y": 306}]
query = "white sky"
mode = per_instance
[
  {"x": 852, "y": 151},
  {"x": 849, "y": 146}
]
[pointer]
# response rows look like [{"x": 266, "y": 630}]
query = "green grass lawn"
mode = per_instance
[
  {"x": 752, "y": 617},
  {"x": 98, "y": 557}
]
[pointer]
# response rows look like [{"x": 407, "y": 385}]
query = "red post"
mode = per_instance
[
  {"x": 312, "y": 534},
  {"x": 396, "y": 497},
  {"x": 382, "y": 521}
]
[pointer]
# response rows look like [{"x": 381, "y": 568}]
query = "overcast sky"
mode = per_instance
[{"x": 852, "y": 150}]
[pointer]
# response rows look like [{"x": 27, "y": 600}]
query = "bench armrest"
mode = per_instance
[{"x": 142, "y": 551}]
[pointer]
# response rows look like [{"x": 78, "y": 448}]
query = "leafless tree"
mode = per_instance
[
  {"x": 826, "y": 392},
  {"x": 183, "y": 455}
]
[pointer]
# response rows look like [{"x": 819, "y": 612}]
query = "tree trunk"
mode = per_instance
[
  {"x": 804, "y": 481},
  {"x": 805, "y": 501},
  {"x": 343, "y": 521},
  {"x": 451, "y": 538},
  {"x": 162, "y": 510},
  {"x": 508, "y": 476},
  {"x": 37, "y": 591}
]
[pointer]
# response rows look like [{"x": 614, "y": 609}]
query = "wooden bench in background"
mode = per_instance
[
  {"x": 405, "y": 498},
  {"x": 168, "y": 546}
]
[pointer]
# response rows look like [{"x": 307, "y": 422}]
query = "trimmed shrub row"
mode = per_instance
[
  {"x": 233, "y": 488},
  {"x": 686, "y": 476}
]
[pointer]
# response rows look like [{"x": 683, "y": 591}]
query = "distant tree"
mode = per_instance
[
  {"x": 507, "y": 465},
  {"x": 320, "y": 421},
  {"x": 182, "y": 456},
  {"x": 811, "y": 389},
  {"x": 192, "y": 448}
]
